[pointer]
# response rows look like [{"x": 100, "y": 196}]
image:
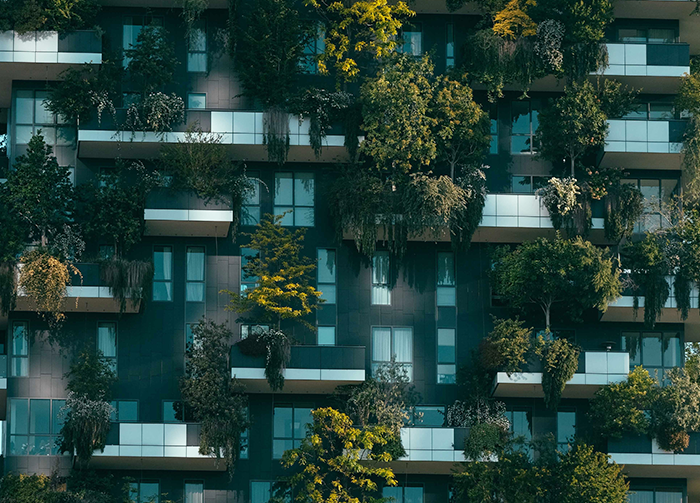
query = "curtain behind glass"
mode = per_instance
[
  {"x": 403, "y": 345},
  {"x": 194, "y": 492},
  {"x": 107, "y": 340},
  {"x": 381, "y": 344},
  {"x": 195, "y": 263},
  {"x": 667, "y": 497}
]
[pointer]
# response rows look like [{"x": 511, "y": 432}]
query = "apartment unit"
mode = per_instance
[{"x": 430, "y": 313}]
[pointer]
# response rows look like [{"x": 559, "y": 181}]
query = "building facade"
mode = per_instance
[{"x": 430, "y": 313}]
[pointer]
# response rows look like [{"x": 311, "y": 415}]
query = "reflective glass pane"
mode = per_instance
[
  {"x": 661, "y": 36},
  {"x": 260, "y": 492},
  {"x": 282, "y": 427},
  {"x": 651, "y": 350},
  {"x": 380, "y": 268},
  {"x": 302, "y": 417},
  {"x": 304, "y": 217},
  {"x": 519, "y": 144},
  {"x": 284, "y": 183},
  {"x": 326, "y": 266},
  {"x": 162, "y": 259},
  {"x": 19, "y": 416},
  {"x": 520, "y": 424},
  {"x": 128, "y": 411},
  {"x": 23, "y": 134},
  {"x": 39, "y": 416},
  {"x": 194, "y": 292},
  {"x": 326, "y": 336},
  {"x": 169, "y": 414},
  {"x": 328, "y": 291},
  {"x": 57, "y": 415},
  {"x": 661, "y": 111},
  {"x": 672, "y": 351},
  {"x": 641, "y": 496},
  {"x": 149, "y": 492},
  {"x": 381, "y": 344},
  {"x": 447, "y": 374},
  {"x": 194, "y": 492},
  {"x": 19, "y": 444},
  {"x": 304, "y": 189},
  {"x": 42, "y": 114},
  {"x": 195, "y": 263},
  {"x": 395, "y": 493},
  {"x": 403, "y": 345},
  {"x": 196, "y": 101},
  {"x": 566, "y": 426},
  {"x": 446, "y": 345},
  {"x": 107, "y": 339},
  {"x": 279, "y": 446},
  {"x": 198, "y": 40},
  {"x": 446, "y": 269},
  {"x": 24, "y": 107},
  {"x": 446, "y": 296},
  {"x": 520, "y": 117},
  {"x": 288, "y": 218},
  {"x": 521, "y": 184},
  {"x": 48, "y": 132},
  {"x": 20, "y": 339},
  {"x": 429, "y": 416},
  {"x": 669, "y": 497},
  {"x": 631, "y": 342},
  {"x": 413, "y": 495},
  {"x": 162, "y": 291}
]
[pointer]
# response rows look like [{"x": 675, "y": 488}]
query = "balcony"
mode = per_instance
[
  {"x": 88, "y": 296},
  {"x": 20, "y": 56},
  {"x": 241, "y": 131},
  {"x": 655, "y": 67},
  {"x": 641, "y": 144},
  {"x": 595, "y": 369},
  {"x": 524, "y": 216},
  {"x": 311, "y": 369},
  {"x": 154, "y": 446},
  {"x": 170, "y": 213},
  {"x": 431, "y": 450}
]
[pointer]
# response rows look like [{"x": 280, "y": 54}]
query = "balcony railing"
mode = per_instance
[
  {"x": 654, "y": 137},
  {"x": 154, "y": 446},
  {"x": 172, "y": 213},
  {"x": 49, "y": 47},
  {"x": 642, "y": 456},
  {"x": 595, "y": 369},
  {"x": 311, "y": 369},
  {"x": 647, "y": 60}
]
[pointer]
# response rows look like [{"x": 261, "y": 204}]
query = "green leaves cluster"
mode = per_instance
[
  {"x": 559, "y": 364},
  {"x": 507, "y": 346},
  {"x": 47, "y": 15},
  {"x": 216, "y": 400},
  {"x": 152, "y": 61}
]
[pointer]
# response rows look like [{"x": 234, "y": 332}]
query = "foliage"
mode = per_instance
[
  {"x": 270, "y": 48},
  {"x": 507, "y": 345},
  {"x": 332, "y": 460},
  {"x": 157, "y": 112},
  {"x": 625, "y": 208},
  {"x": 550, "y": 36},
  {"x": 191, "y": 11},
  {"x": 62, "y": 16},
  {"x": 570, "y": 273},
  {"x": 478, "y": 411},
  {"x": 276, "y": 134},
  {"x": 572, "y": 126},
  {"x": 483, "y": 441},
  {"x": 201, "y": 164},
  {"x": 39, "y": 190},
  {"x": 152, "y": 60},
  {"x": 85, "y": 90},
  {"x": 322, "y": 108},
  {"x": 216, "y": 400},
  {"x": 275, "y": 346},
  {"x": 128, "y": 280},
  {"x": 648, "y": 267},
  {"x": 513, "y": 21},
  {"x": 44, "y": 279},
  {"x": 358, "y": 31},
  {"x": 559, "y": 362},
  {"x": 688, "y": 98},
  {"x": 619, "y": 407},
  {"x": 579, "y": 475},
  {"x": 560, "y": 197},
  {"x": 676, "y": 410},
  {"x": 283, "y": 290},
  {"x": 8, "y": 288},
  {"x": 87, "y": 410}
]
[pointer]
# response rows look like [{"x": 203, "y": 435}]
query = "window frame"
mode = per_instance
[
  {"x": 251, "y": 207},
  {"x": 21, "y": 357},
  {"x": 138, "y": 493},
  {"x": 380, "y": 286},
  {"x": 54, "y": 424},
  {"x": 376, "y": 363},
  {"x": 563, "y": 446},
  {"x": 282, "y": 209},
  {"x": 196, "y": 94},
  {"x": 295, "y": 441},
  {"x": 203, "y": 281},
  {"x": 200, "y": 24},
  {"x": 441, "y": 363},
  {"x": 172, "y": 274},
  {"x": 113, "y": 361},
  {"x": 116, "y": 407},
  {"x": 533, "y": 106}
]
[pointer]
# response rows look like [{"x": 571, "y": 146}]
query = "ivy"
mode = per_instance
[
  {"x": 192, "y": 10},
  {"x": 561, "y": 198}
]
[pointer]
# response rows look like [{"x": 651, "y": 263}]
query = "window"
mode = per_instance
[
  {"x": 247, "y": 281},
  {"x": 294, "y": 193},
  {"x": 447, "y": 357},
  {"x": 262, "y": 491},
  {"x": 34, "y": 426},
  {"x": 656, "y": 496},
  {"x": 652, "y": 111},
  {"x": 408, "y": 494},
  {"x": 527, "y": 184},
  {"x": 325, "y": 274},
  {"x": 521, "y": 426},
  {"x": 32, "y": 116},
  {"x": 107, "y": 342},
  {"x": 163, "y": 276},
  {"x": 194, "y": 291},
  {"x": 194, "y": 491},
  {"x": 125, "y": 411},
  {"x": 658, "y": 194},
  {"x": 388, "y": 342},
  {"x": 381, "y": 292},
  {"x": 428, "y": 416},
  {"x": 245, "y": 438},
  {"x": 106, "y": 252},
  {"x": 197, "y": 48},
  {"x": 644, "y": 35},
  {"x": 446, "y": 293},
  {"x": 132, "y": 29},
  {"x": 326, "y": 336},
  {"x": 289, "y": 428},
  {"x": 655, "y": 351},
  {"x": 19, "y": 366},
  {"x": 313, "y": 49},
  {"x": 566, "y": 429},
  {"x": 450, "y": 47},
  {"x": 144, "y": 492},
  {"x": 196, "y": 101},
  {"x": 251, "y": 203},
  {"x": 170, "y": 411},
  {"x": 523, "y": 126},
  {"x": 247, "y": 330},
  {"x": 412, "y": 40},
  {"x": 493, "y": 114}
]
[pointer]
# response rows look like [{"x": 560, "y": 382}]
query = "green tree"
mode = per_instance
[
  {"x": 572, "y": 126},
  {"x": 152, "y": 61},
  {"x": 282, "y": 290},
  {"x": 688, "y": 98},
  {"x": 358, "y": 31},
  {"x": 87, "y": 411},
  {"x": 41, "y": 15},
  {"x": 507, "y": 346},
  {"x": 570, "y": 273},
  {"x": 559, "y": 364},
  {"x": 216, "y": 400},
  {"x": 335, "y": 462},
  {"x": 40, "y": 191}
]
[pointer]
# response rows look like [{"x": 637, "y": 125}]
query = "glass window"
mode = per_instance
[
  {"x": 294, "y": 198},
  {"x": 326, "y": 274},
  {"x": 520, "y": 424},
  {"x": 163, "y": 277},
  {"x": 493, "y": 146},
  {"x": 314, "y": 47},
  {"x": 247, "y": 330},
  {"x": 661, "y": 111},
  {"x": 19, "y": 366},
  {"x": 661, "y": 36},
  {"x": 170, "y": 414},
  {"x": 447, "y": 357},
  {"x": 651, "y": 350},
  {"x": 632, "y": 35},
  {"x": 326, "y": 336},
  {"x": 107, "y": 343},
  {"x": 24, "y": 107},
  {"x": 197, "y": 48},
  {"x": 446, "y": 292},
  {"x": 125, "y": 411},
  {"x": 669, "y": 497},
  {"x": 524, "y": 125},
  {"x": 34, "y": 426},
  {"x": 289, "y": 428},
  {"x": 144, "y": 492},
  {"x": 408, "y": 494},
  {"x": 429, "y": 416},
  {"x": 196, "y": 101},
  {"x": 381, "y": 291},
  {"x": 566, "y": 429},
  {"x": 251, "y": 202},
  {"x": 194, "y": 492},
  {"x": 450, "y": 46},
  {"x": 260, "y": 492},
  {"x": 656, "y": 351},
  {"x": 388, "y": 342},
  {"x": 413, "y": 40},
  {"x": 247, "y": 281},
  {"x": 195, "y": 274}
]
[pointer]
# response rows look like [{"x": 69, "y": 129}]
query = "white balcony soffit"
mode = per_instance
[{"x": 40, "y": 47}]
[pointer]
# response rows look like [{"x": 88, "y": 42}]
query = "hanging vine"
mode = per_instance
[
  {"x": 559, "y": 363},
  {"x": 128, "y": 280}
]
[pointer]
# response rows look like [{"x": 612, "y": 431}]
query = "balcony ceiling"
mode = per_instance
[{"x": 26, "y": 71}]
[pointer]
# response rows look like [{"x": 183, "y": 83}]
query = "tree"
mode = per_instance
[
  {"x": 39, "y": 190},
  {"x": 507, "y": 346},
  {"x": 152, "y": 60},
  {"x": 572, "y": 126},
  {"x": 335, "y": 462},
  {"x": 282, "y": 290},
  {"x": 62, "y": 16},
  {"x": 570, "y": 273},
  {"x": 357, "y": 31},
  {"x": 87, "y": 411},
  {"x": 216, "y": 400}
]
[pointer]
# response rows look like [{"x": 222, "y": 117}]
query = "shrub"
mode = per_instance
[
  {"x": 560, "y": 197},
  {"x": 506, "y": 348},
  {"x": 559, "y": 362}
]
